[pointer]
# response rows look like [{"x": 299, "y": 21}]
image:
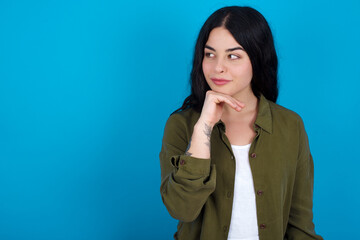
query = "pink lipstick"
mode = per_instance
[{"x": 220, "y": 81}]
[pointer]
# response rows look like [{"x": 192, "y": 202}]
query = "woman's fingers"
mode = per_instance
[
  {"x": 213, "y": 106},
  {"x": 242, "y": 105},
  {"x": 234, "y": 103}
]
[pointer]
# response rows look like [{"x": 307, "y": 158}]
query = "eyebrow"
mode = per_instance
[{"x": 227, "y": 50}]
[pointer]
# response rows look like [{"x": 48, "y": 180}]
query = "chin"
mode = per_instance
[
  {"x": 223, "y": 91},
  {"x": 220, "y": 88}
]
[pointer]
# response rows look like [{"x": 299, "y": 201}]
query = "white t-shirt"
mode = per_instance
[{"x": 243, "y": 224}]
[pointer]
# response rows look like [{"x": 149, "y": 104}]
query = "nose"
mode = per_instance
[{"x": 220, "y": 68}]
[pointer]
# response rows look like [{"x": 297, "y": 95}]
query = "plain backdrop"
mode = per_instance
[{"x": 87, "y": 86}]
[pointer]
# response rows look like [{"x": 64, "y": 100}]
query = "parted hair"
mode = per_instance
[{"x": 251, "y": 30}]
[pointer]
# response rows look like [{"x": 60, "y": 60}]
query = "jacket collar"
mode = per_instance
[{"x": 263, "y": 118}]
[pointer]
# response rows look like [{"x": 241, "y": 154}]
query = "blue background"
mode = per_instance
[{"x": 87, "y": 86}]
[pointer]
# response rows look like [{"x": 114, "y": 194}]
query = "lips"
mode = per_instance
[{"x": 220, "y": 81}]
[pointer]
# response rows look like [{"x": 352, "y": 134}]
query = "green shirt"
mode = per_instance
[{"x": 199, "y": 192}]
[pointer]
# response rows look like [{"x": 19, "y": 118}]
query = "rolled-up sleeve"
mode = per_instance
[{"x": 186, "y": 181}]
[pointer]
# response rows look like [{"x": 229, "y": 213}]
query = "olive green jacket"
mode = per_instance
[{"x": 199, "y": 192}]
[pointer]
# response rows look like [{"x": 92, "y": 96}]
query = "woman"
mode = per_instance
[{"x": 234, "y": 164}]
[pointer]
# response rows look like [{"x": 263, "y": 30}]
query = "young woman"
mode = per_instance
[{"x": 234, "y": 164}]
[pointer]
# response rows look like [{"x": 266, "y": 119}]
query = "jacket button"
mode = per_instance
[
  {"x": 225, "y": 228},
  {"x": 228, "y": 194},
  {"x": 253, "y": 155},
  {"x": 232, "y": 157},
  {"x": 262, "y": 226},
  {"x": 259, "y": 192},
  {"x": 182, "y": 162}
]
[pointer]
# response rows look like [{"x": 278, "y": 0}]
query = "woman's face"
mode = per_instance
[{"x": 226, "y": 65}]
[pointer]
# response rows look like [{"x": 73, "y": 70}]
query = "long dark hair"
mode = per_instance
[{"x": 251, "y": 30}]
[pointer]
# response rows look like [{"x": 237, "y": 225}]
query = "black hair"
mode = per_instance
[{"x": 251, "y": 30}]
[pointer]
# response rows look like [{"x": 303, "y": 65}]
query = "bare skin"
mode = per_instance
[
  {"x": 239, "y": 125},
  {"x": 237, "y": 118},
  {"x": 234, "y": 103}
]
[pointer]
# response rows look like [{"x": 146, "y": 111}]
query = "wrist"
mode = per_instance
[
  {"x": 201, "y": 125},
  {"x": 203, "y": 129}
]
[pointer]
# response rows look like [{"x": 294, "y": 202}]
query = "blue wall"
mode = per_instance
[{"x": 86, "y": 88}]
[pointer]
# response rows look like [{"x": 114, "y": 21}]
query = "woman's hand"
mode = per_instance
[
  {"x": 213, "y": 107},
  {"x": 210, "y": 115}
]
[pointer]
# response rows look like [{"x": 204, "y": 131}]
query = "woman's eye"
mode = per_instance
[
  {"x": 232, "y": 56},
  {"x": 211, "y": 55}
]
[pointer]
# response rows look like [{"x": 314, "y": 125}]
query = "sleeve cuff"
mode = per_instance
[{"x": 191, "y": 165}]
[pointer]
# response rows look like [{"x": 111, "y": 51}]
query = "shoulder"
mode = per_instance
[
  {"x": 286, "y": 120},
  {"x": 288, "y": 126},
  {"x": 282, "y": 114},
  {"x": 181, "y": 123},
  {"x": 185, "y": 117}
]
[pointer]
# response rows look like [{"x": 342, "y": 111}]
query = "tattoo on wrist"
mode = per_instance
[
  {"x": 187, "y": 153},
  {"x": 207, "y": 132}
]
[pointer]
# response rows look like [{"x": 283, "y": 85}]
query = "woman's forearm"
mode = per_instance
[{"x": 199, "y": 145}]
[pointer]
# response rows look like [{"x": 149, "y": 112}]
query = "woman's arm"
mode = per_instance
[
  {"x": 300, "y": 225},
  {"x": 187, "y": 179}
]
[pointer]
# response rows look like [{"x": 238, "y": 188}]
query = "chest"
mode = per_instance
[
  {"x": 272, "y": 160},
  {"x": 240, "y": 133}
]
